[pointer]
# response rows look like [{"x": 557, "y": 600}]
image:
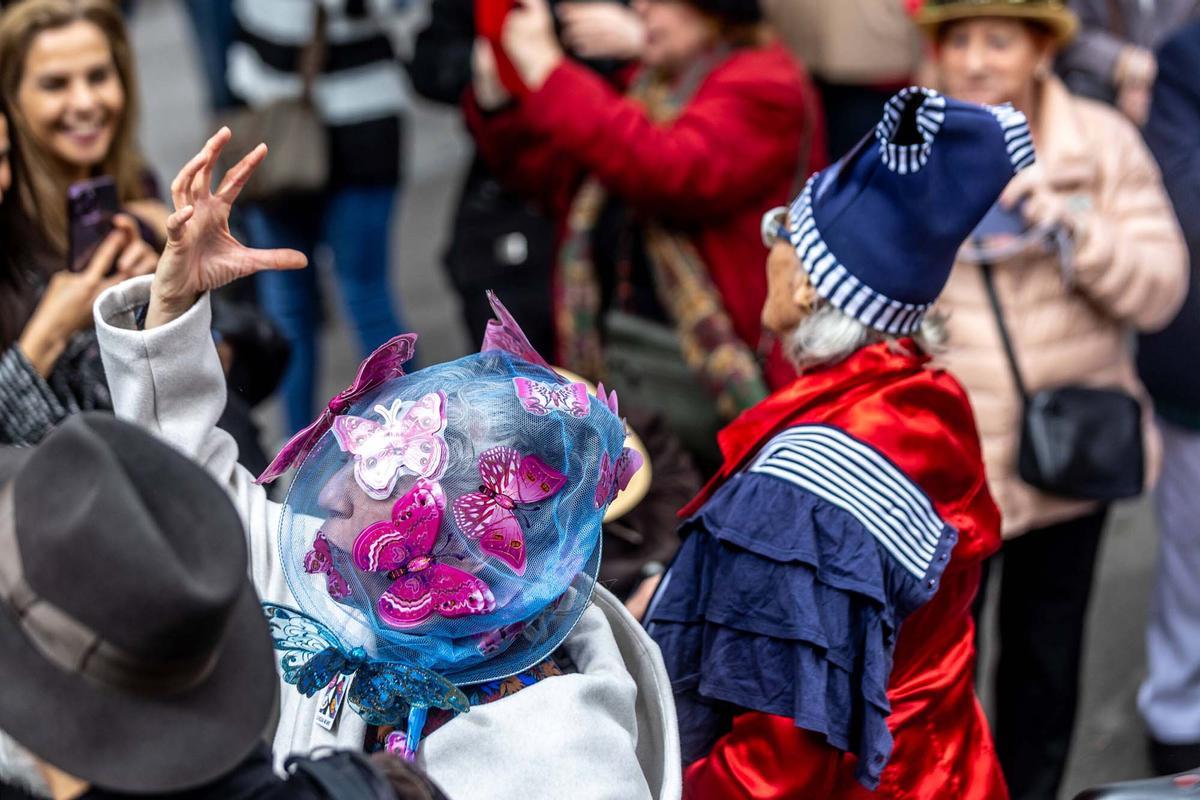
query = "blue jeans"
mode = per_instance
[
  {"x": 215, "y": 27},
  {"x": 354, "y": 222}
]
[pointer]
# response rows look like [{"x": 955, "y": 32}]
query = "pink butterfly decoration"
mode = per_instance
[
  {"x": 542, "y": 398},
  {"x": 609, "y": 400},
  {"x": 505, "y": 335},
  {"x": 385, "y": 363},
  {"x": 615, "y": 477},
  {"x": 320, "y": 560},
  {"x": 402, "y": 547},
  {"x": 409, "y": 441},
  {"x": 487, "y": 515}
]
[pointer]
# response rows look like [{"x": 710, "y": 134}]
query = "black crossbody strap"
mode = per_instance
[{"x": 989, "y": 283}]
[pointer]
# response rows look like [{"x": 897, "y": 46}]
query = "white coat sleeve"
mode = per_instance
[{"x": 169, "y": 381}]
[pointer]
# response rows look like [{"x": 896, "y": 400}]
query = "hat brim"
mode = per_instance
[
  {"x": 135, "y": 743},
  {"x": 1062, "y": 22},
  {"x": 11, "y": 461}
]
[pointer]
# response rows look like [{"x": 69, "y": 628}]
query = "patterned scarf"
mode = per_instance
[{"x": 722, "y": 362}]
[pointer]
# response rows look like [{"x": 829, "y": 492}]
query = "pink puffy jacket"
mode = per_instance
[{"x": 1070, "y": 324}]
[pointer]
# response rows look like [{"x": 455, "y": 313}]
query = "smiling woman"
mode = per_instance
[
  {"x": 71, "y": 95},
  {"x": 67, "y": 81}
]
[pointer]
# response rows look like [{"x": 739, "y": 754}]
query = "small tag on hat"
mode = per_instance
[{"x": 330, "y": 700}]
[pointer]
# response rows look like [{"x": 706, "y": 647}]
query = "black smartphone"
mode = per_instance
[{"x": 91, "y": 206}]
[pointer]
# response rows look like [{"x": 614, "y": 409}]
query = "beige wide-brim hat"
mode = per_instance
[{"x": 1060, "y": 20}]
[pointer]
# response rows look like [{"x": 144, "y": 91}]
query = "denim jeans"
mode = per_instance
[
  {"x": 354, "y": 223},
  {"x": 214, "y": 25}
]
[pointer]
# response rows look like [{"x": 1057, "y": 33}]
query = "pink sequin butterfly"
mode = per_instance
[
  {"x": 541, "y": 398},
  {"x": 320, "y": 560},
  {"x": 615, "y": 477},
  {"x": 402, "y": 547},
  {"x": 487, "y": 515},
  {"x": 408, "y": 441}
]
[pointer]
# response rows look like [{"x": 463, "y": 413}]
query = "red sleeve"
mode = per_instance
[
  {"x": 727, "y": 148},
  {"x": 522, "y": 158},
  {"x": 765, "y": 757}
]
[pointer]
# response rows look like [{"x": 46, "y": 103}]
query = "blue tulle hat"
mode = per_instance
[{"x": 486, "y": 480}]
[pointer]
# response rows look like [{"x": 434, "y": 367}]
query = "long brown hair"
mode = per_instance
[
  {"x": 19, "y": 264},
  {"x": 41, "y": 187}
]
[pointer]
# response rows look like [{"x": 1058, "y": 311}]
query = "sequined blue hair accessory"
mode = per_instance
[{"x": 445, "y": 531}]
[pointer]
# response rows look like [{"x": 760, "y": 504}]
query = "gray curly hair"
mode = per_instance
[{"x": 828, "y": 335}]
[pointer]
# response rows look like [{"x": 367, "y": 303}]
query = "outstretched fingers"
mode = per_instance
[
  {"x": 235, "y": 179},
  {"x": 177, "y": 222},
  {"x": 202, "y": 183},
  {"x": 183, "y": 187},
  {"x": 280, "y": 259}
]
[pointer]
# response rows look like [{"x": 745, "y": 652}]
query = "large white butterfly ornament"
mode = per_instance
[{"x": 409, "y": 441}]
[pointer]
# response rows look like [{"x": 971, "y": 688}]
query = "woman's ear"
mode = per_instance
[{"x": 804, "y": 294}]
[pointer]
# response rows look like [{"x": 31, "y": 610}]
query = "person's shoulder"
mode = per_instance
[
  {"x": 1101, "y": 123},
  {"x": 924, "y": 425},
  {"x": 928, "y": 402},
  {"x": 767, "y": 73},
  {"x": 1181, "y": 49},
  {"x": 608, "y": 640}
]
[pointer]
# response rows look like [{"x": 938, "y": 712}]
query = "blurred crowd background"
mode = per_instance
[{"x": 412, "y": 227}]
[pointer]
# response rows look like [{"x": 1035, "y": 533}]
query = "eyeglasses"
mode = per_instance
[{"x": 774, "y": 226}]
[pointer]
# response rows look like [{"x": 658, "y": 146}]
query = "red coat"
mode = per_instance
[
  {"x": 920, "y": 420},
  {"x": 731, "y": 154}
]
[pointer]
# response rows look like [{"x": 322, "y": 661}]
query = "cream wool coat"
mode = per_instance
[
  {"x": 1070, "y": 324},
  {"x": 606, "y": 732}
]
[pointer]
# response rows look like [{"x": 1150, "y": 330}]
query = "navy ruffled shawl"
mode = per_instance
[{"x": 783, "y": 603}]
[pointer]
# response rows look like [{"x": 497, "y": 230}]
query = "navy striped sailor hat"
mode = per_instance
[{"x": 877, "y": 232}]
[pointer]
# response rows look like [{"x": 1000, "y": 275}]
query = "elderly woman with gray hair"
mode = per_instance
[{"x": 851, "y": 502}]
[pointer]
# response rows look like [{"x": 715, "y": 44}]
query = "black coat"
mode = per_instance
[
  {"x": 1165, "y": 359},
  {"x": 338, "y": 776}
]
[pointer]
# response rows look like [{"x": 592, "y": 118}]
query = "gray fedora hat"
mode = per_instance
[{"x": 133, "y": 650}]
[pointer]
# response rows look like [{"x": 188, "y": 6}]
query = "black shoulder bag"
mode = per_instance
[{"x": 1076, "y": 441}]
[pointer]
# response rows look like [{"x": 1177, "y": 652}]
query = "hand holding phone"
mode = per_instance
[
  {"x": 91, "y": 206},
  {"x": 66, "y": 305}
]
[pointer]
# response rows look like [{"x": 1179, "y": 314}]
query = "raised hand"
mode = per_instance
[
  {"x": 598, "y": 30},
  {"x": 201, "y": 253},
  {"x": 530, "y": 42}
]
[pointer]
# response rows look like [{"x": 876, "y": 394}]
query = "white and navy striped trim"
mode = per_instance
[
  {"x": 930, "y": 114},
  {"x": 837, "y": 285},
  {"x": 853, "y": 476},
  {"x": 1017, "y": 137}
]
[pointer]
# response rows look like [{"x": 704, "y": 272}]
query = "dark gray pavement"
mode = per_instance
[{"x": 1109, "y": 744}]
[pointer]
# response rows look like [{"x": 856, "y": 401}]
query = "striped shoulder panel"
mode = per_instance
[{"x": 853, "y": 476}]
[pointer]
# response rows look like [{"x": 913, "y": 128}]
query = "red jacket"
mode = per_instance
[
  {"x": 732, "y": 154},
  {"x": 920, "y": 420}
]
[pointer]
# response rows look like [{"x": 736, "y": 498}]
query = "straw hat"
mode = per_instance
[{"x": 1053, "y": 14}]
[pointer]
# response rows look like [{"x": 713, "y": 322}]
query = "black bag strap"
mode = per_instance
[
  {"x": 1116, "y": 20},
  {"x": 989, "y": 283},
  {"x": 340, "y": 775},
  {"x": 314, "y": 54}
]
